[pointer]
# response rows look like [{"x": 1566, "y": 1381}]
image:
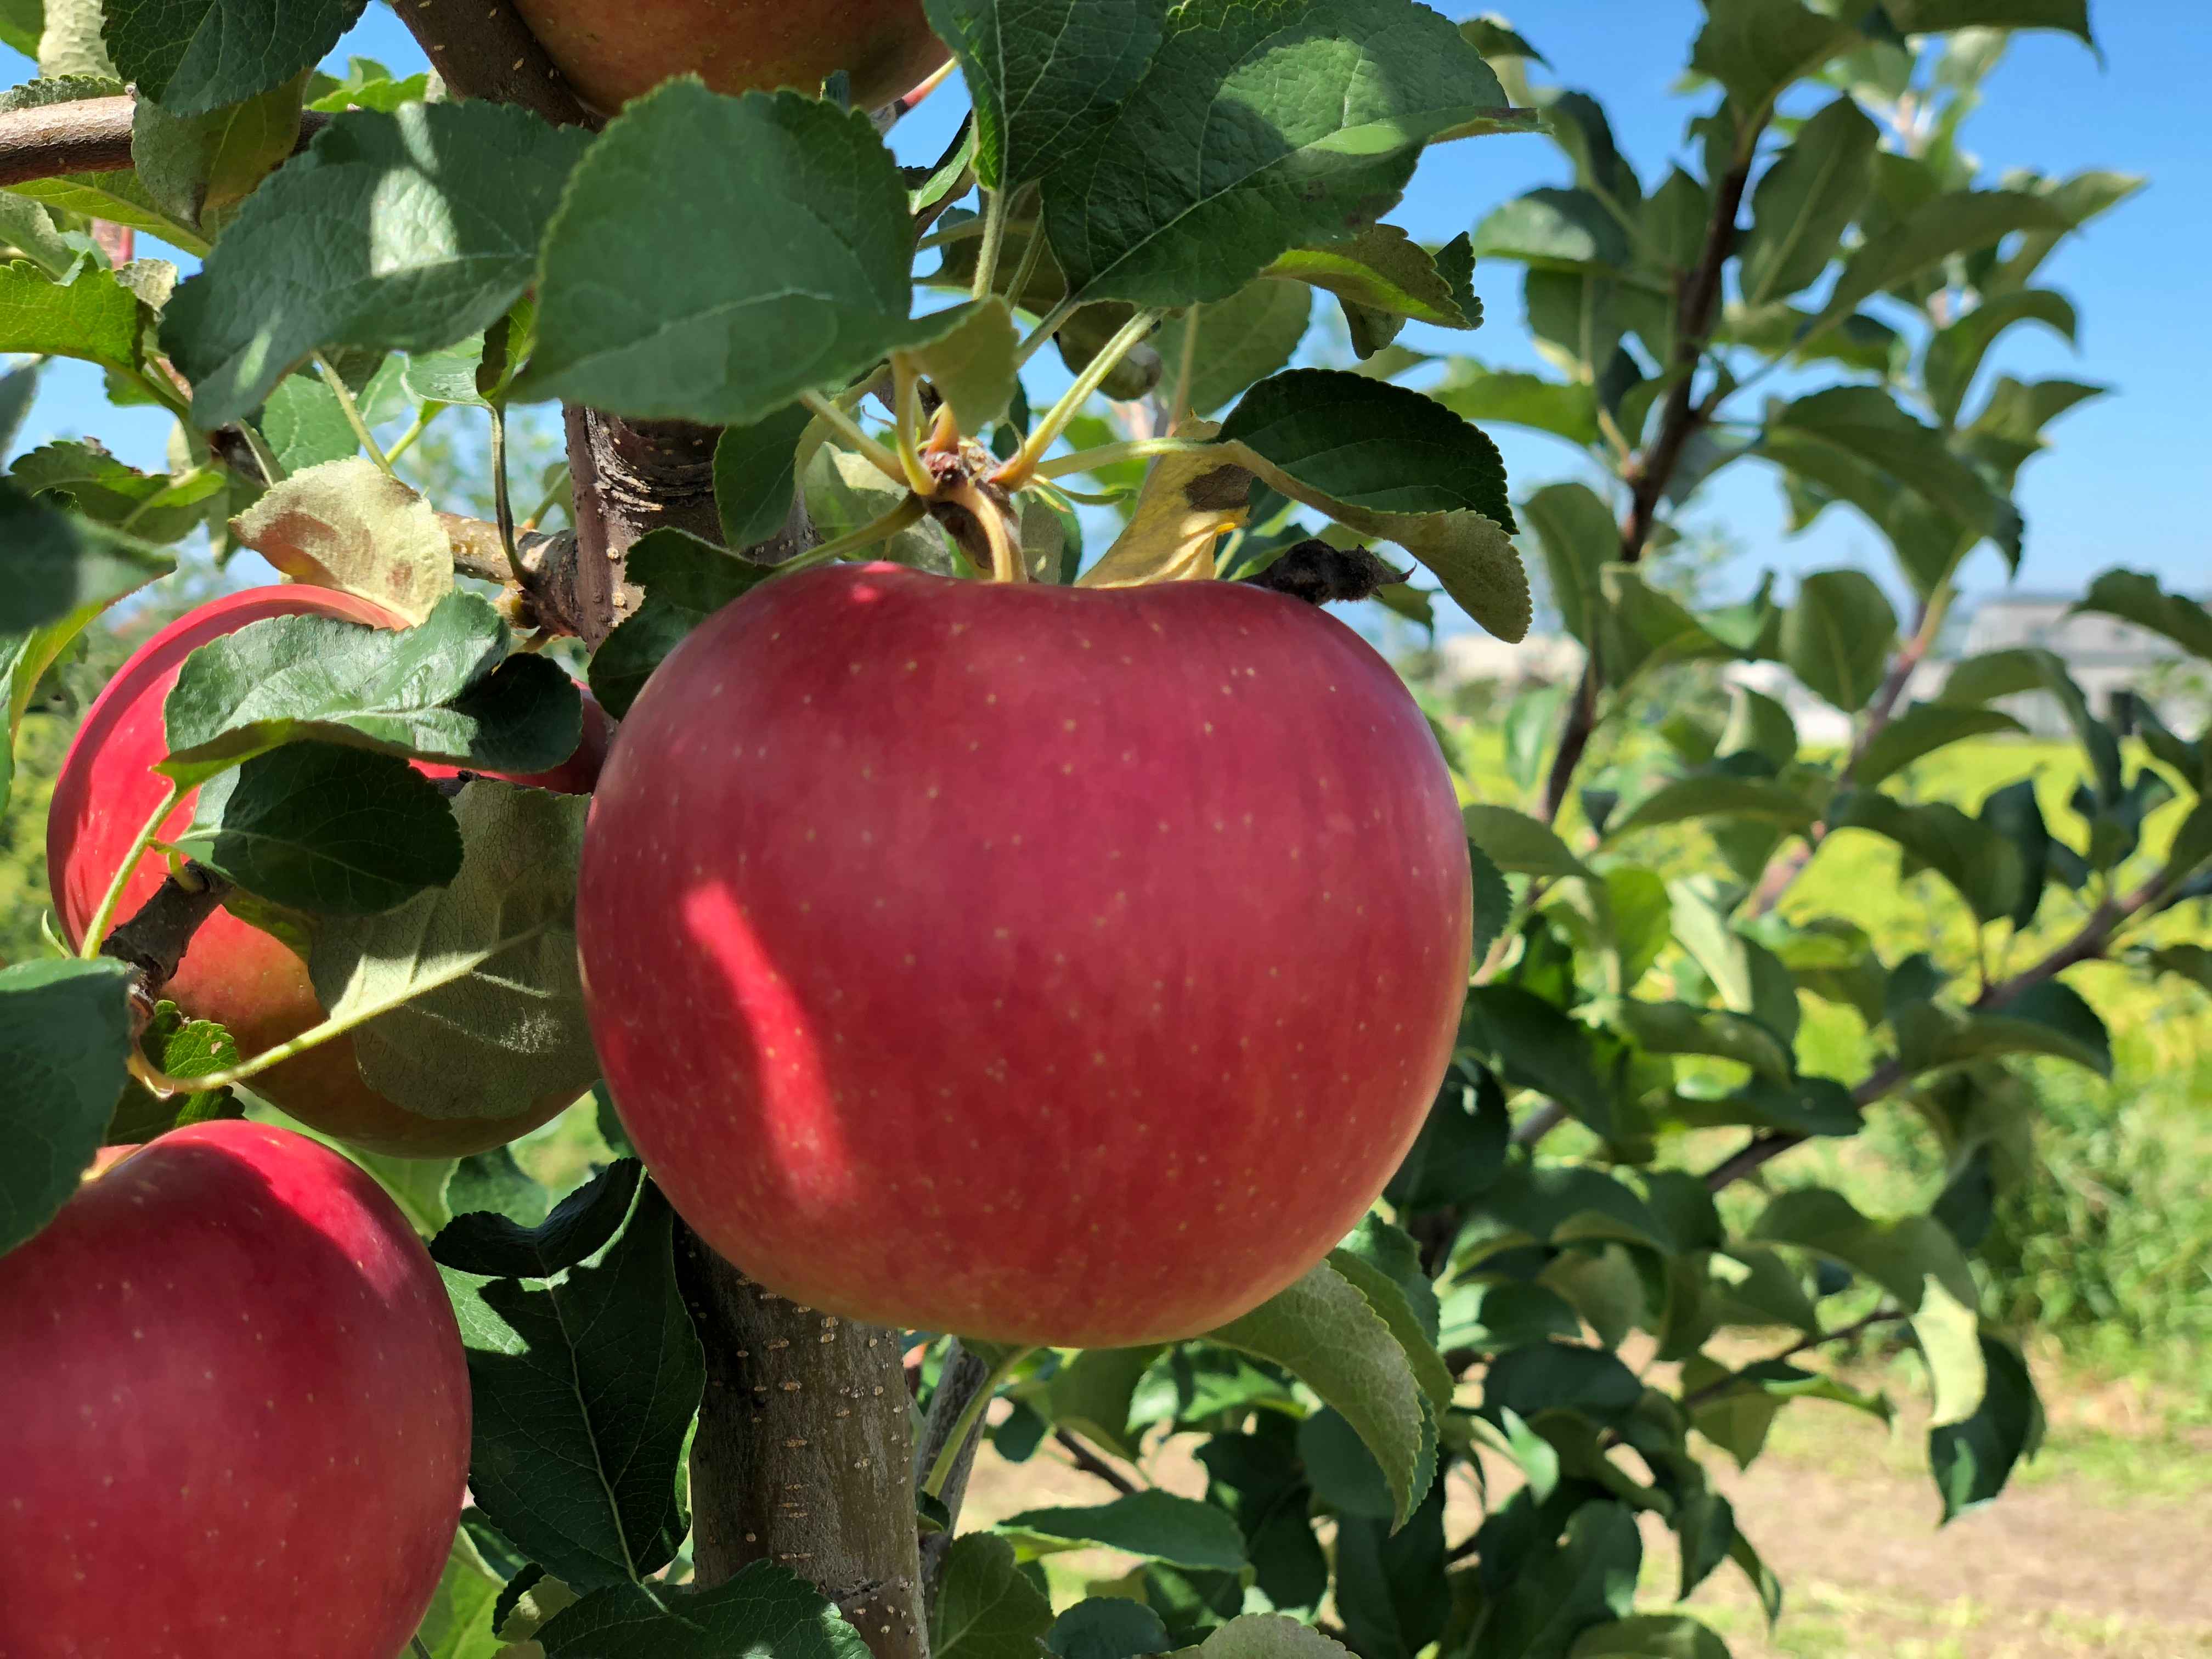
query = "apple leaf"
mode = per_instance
[
  {"x": 1765, "y": 800},
  {"x": 1519, "y": 844},
  {"x": 449, "y": 690},
  {"x": 763, "y": 1610},
  {"x": 462, "y": 1618},
  {"x": 118, "y": 197},
  {"x": 61, "y": 565},
  {"x": 1323, "y": 1332},
  {"x": 96, "y": 316},
  {"x": 2050, "y": 1018},
  {"x": 1252, "y": 334},
  {"x": 200, "y": 168},
  {"x": 350, "y": 524},
  {"x": 65, "y": 1040},
  {"x": 2133, "y": 596},
  {"x": 1046, "y": 76},
  {"x": 499, "y": 1247},
  {"x": 1187, "y": 503},
  {"x": 1475, "y": 392},
  {"x": 1384, "y": 269},
  {"x": 584, "y": 1389},
  {"x": 488, "y": 1017},
  {"x": 494, "y": 1182},
  {"x": 1154, "y": 1524},
  {"x": 331, "y": 830},
  {"x": 1256, "y": 130},
  {"x": 1956, "y": 221},
  {"x": 1384, "y": 461},
  {"x": 1384, "y": 1266},
  {"x": 1107, "y": 1627},
  {"x": 1266, "y": 1636},
  {"x": 1092, "y": 1393},
  {"x": 1755, "y": 48},
  {"x": 685, "y": 581},
  {"x": 194, "y": 56},
  {"x": 794, "y": 278},
  {"x": 985, "y": 1608},
  {"x": 154, "y": 506},
  {"x": 756, "y": 475},
  {"x": 1974, "y": 1458},
  {"x": 413, "y": 230},
  {"x": 1649, "y": 1636},
  {"x": 973, "y": 366}
]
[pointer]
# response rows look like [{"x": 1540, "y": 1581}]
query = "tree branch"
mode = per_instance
[
  {"x": 91, "y": 135},
  {"x": 1821, "y": 1339},
  {"x": 959, "y": 1380},
  {"x": 1092, "y": 1463},
  {"x": 153, "y": 943},
  {"x": 483, "y": 49},
  {"x": 1648, "y": 475}
]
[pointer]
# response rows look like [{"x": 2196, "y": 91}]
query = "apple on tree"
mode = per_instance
[
  {"x": 233, "y": 1410},
  {"x": 1120, "y": 928},
  {"x": 612, "y": 54},
  {"x": 235, "y": 973}
]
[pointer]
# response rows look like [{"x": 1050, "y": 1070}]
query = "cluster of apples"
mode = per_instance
[{"x": 1049, "y": 965}]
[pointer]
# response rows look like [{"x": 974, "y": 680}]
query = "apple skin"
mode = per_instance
[
  {"x": 610, "y": 54},
  {"x": 234, "y": 972},
  {"x": 1044, "y": 965},
  {"x": 234, "y": 1411}
]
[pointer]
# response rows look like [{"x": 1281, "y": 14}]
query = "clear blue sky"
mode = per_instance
[{"x": 2129, "y": 480}]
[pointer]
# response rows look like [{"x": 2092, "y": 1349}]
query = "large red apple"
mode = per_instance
[
  {"x": 234, "y": 1411},
  {"x": 1042, "y": 964},
  {"x": 234, "y": 972},
  {"x": 612, "y": 53}
]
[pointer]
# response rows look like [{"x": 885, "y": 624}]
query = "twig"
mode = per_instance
[
  {"x": 1821, "y": 1339},
  {"x": 153, "y": 943},
  {"x": 962, "y": 1377},
  {"x": 90, "y": 135},
  {"x": 1090, "y": 1463}
]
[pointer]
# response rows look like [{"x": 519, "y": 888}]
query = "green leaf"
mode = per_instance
[
  {"x": 447, "y": 690},
  {"x": 200, "y": 168},
  {"x": 493, "y": 1185},
  {"x": 29, "y": 229},
  {"x": 2031, "y": 668},
  {"x": 973, "y": 366},
  {"x": 492, "y": 1022},
  {"x": 1579, "y": 537},
  {"x": 194, "y": 56},
  {"x": 1985, "y": 867},
  {"x": 1476, "y": 393},
  {"x": 1553, "y": 229},
  {"x": 1519, "y": 844},
  {"x": 1567, "y": 1585},
  {"x": 1804, "y": 1105},
  {"x": 1383, "y": 270},
  {"x": 413, "y": 230},
  {"x": 1046, "y": 77},
  {"x": 985, "y": 1608},
  {"x": 153, "y": 506},
  {"x": 1532, "y": 1045},
  {"x": 1090, "y": 1394},
  {"x": 1384, "y": 461},
  {"x": 685, "y": 580},
  {"x": 66, "y": 1039},
  {"x": 1955, "y": 352},
  {"x": 1266, "y": 1636},
  {"x": 584, "y": 1389},
  {"x": 1920, "y": 731},
  {"x": 2135, "y": 597},
  {"x": 1404, "y": 1298},
  {"x": 1678, "y": 1028},
  {"x": 96, "y": 316},
  {"x": 1721, "y": 794},
  {"x": 61, "y": 566},
  {"x": 1928, "y": 16},
  {"x": 1866, "y": 423},
  {"x": 462, "y": 1618},
  {"x": 1836, "y": 637},
  {"x": 1324, "y": 1332},
  {"x": 1252, "y": 334},
  {"x": 116, "y": 197},
  {"x": 496, "y": 1246},
  {"x": 1956, "y": 221},
  {"x": 1107, "y": 1627},
  {"x": 1804, "y": 202},
  {"x": 807, "y": 241},
  {"x": 1461, "y": 1151},
  {"x": 1650, "y": 1636},
  {"x": 1972, "y": 1460},
  {"x": 331, "y": 830},
  {"x": 764, "y": 1610},
  {"x": 1756, "y": 48},
  {"x": 1254, "y": 132},
  {"x": 2050, "y": 1018},
  {"x": 1153, "y": 1524}
]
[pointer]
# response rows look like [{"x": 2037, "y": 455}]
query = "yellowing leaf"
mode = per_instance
[
  {"x": 1187, "y": 504},
  {"x": 348, "y": 524}
]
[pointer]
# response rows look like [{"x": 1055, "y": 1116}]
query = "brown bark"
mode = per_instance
[
  {"x": 92, "y": 135},
  {"x": 804, "y": 1452}
]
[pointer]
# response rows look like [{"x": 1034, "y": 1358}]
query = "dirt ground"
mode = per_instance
[{"x": 2102, "y": 1550}]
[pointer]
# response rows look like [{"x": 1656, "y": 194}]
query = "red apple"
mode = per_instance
[
  {"x": 235, "y": 973},
  {"x": 1044, "y": 965},
  {"x": 612, "y": 53},
  {"x": 234, "y": 1411}
]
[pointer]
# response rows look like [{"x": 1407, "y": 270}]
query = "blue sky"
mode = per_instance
[{"x": 2127, "y": 481}]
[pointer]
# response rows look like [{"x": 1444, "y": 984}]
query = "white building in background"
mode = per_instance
[{"x": 2106, "y": 657}]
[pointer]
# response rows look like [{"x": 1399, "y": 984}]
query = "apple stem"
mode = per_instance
[
  {"x": 1018, "y": 471},
  {"x": 906, "y": 425},
  {"x": 351, "y": 410},
  {"x": 847, "y": 428},
  {"x": 1186, "y": 367},
  {"x": 963, "y": 1426},
  {"x": 95, "y": 932}
]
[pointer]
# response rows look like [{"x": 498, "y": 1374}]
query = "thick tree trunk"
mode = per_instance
[{"x": 805, "y": 1451}]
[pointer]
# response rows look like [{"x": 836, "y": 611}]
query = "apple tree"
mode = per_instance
[{"x": 1064, "y": 994}]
